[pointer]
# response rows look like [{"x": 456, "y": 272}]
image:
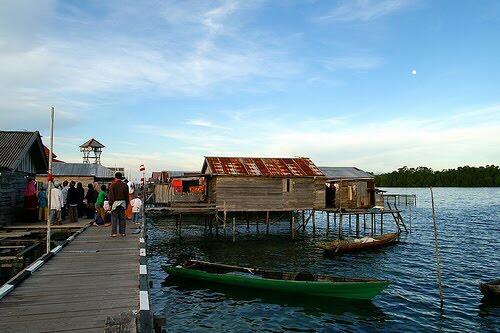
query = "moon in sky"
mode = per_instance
[{"x": 414, "y": 72}]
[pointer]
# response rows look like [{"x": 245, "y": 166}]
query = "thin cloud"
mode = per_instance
[
  {"x": 353, "y": 63},
  {"x": 364, "y": 10}
]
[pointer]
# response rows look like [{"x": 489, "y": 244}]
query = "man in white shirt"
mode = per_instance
[{"x": 56, "y": 204}]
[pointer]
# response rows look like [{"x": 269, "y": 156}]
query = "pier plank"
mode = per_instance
[{"x": 93, "y": 278}]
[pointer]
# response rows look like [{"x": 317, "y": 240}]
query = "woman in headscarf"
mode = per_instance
[
  {"x": 81, "y": 196},
  {"x": 43, "y": 210},
  {"x": 30, "y": 200}
]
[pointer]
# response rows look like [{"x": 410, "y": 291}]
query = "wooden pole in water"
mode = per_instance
[
  {"x": 357, "y": 225},
  {"x": 327, "y": 222},
  {"x": 234, "y": 229},
  {"x": 436, "y": 249},
  {"x": 349, "y": 231},
  {"x": 49, "y": 175},
  {"x": 257, "y": 224},
  {"x": 314, "y": 221},
  {"x": 381, "y": 223},
  {"x": 364, "y": 222},
  {"x": 340, "y": 226},
  {"x": 267, "y": 223},
  {"x": 373, "y": 223},
  {"x": 248, "y": 221},
  {"x": 293, "y": 227},
  {"x": 410, "y": 218}
]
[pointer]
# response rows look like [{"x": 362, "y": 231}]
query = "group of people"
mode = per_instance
[{"x": 105, "y": 205}]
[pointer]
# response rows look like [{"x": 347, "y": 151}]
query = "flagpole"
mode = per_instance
[{"x": 49, "y": 175}]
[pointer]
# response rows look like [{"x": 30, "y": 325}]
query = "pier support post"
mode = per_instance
[
  {"x": 381, "y": 223},
  {"x": 373, "y": 223},
  {"x": 340, "y": 226},
  {"x": 234, "y": 229},
  {"x": 267, "y": 223},
  {"x": 364, "y": 222},
  {"x": 357, "y": 225},
  {"x": 334, "y": 220},
  {"x": 303, "y": 219},
  {"x": 248, "y": 221},
  {"x": 327, "y": 222},
  {"x": 314, "y": 221},
  {"x": 349, "y": 231},
  {"x": 257, "y": 225},
  {"x": 293, "y": 227}
]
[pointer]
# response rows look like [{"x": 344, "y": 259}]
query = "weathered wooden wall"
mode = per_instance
[
  {"x": 237, "y": 193},
  {"x": 360, "y": 197},
  {"x": 12, "y": 185},
  {"x": 164, "y": 194}
]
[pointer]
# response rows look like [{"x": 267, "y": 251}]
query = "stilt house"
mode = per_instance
[
  {"x": 21, "y": 157},
  {"x": 349, "y": 188},
  {"x": 263, "y": 184}
]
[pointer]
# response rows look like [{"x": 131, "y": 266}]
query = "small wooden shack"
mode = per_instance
[
  {"x": 21, "y": 157},
  {"x": 180, "y": 187},
  {"x": 263, "y": 184},
  {"x": 349, "y": 188}
]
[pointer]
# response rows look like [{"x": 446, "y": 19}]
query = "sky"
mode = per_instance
[{"x": 373, "y": 84}]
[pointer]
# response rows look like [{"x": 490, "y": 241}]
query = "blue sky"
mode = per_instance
[{"x": 166, "y": 82}]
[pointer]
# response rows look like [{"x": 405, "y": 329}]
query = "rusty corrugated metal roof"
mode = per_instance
[
  {"x": 15, "y": 144},
  {"x": 257, "y": 166}
]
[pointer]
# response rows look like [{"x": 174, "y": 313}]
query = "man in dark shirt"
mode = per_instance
[
  {"x": 118, "y": 200},
  {"x": 72, "y": 202}
]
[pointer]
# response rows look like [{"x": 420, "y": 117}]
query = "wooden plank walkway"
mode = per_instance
[{"x": 79, "y": 288}]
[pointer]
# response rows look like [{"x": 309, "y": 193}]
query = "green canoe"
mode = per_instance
[{"x": 306, "y": 284}]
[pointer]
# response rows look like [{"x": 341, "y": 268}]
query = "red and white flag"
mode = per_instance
[{"x": 142, "y": 168}]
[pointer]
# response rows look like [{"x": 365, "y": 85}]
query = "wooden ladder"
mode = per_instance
[{"x": 397, "y": 217}]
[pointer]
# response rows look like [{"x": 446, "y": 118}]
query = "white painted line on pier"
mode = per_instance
[
  {"x": 34, "y": 266},
  {"x": 143, "y": 300},
  {"x": 56, "y": 249},
  {"x": 141, "y": 239},
  {"x": 142, "y": 252},
  {"x": 71, "y": 238},
  {"x": 5, "y": 289},
  {"x": 143, "y": 269}
]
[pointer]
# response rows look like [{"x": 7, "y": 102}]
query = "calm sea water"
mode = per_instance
[{"x": 469, "y": 232}]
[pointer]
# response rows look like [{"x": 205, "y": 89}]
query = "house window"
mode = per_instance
[{"x": 287, "y": 185}]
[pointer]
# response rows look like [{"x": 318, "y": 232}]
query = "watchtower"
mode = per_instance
[{"x": 92, "y": 151}]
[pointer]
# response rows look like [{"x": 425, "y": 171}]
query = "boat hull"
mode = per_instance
[
  {"x": 491, "y": 289},
  {"x": 350, "y": 247},
  {"x": 361, "y": 290}
]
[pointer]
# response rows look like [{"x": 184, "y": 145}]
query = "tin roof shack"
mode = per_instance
[
  {"x": 264, "y": 184},
  {"x": 21, "y": 157},
  {"x": 349, "y": 188},
  {"x": 79, "y": 172}
]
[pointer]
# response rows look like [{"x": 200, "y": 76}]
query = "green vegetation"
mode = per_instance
[{"x": 466, "y": 176}]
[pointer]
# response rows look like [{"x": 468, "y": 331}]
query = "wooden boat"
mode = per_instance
[
  {"x": 290, "y": 283},
  {"x": 354, "y": 245},
  {"x": 490, "y": 289}
]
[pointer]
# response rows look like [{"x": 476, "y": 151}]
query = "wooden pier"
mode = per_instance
[{"x": 93, "y": 279}]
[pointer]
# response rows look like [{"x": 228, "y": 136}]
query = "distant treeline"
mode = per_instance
[{"x": 466, "y": 176}]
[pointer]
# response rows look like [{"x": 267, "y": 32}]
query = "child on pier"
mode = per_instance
[{"x": 136, "y": 204}]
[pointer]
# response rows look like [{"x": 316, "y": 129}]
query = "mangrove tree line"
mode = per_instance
[{"x": 422, "y": 176}]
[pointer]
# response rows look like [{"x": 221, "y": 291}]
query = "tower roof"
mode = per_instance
[{"x": 92, "y": 143}]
